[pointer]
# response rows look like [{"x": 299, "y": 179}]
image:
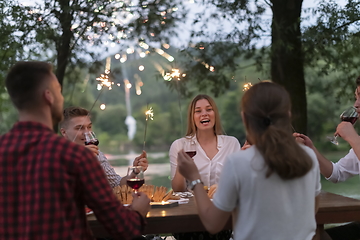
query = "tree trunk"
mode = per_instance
[
  {"x": 287, "y": 62},
  {"x": 63, "y": 42}
]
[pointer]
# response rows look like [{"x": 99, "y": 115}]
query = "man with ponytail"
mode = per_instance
[{"x": 271, "y": 188}]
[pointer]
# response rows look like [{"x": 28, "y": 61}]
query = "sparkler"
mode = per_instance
[
  {"x": 104, "y": 81},
  {"x": 175, "y": 74},
  {"x": 149, "y": 115},
  {"x": 247, "y": 86}
]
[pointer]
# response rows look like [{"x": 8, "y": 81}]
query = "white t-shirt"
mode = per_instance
[
  {"x": 267, "y": 208},
  {"x": 345, "y": 168},
  {"x": 209, "y": 169}
]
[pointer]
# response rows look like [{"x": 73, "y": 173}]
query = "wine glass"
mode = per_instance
[
  {"x": 189, "y": 148},
  {"x": 349, "y": 115},
  {"x": 90, "y": 138},
  {"x": 135, "y": 177}
]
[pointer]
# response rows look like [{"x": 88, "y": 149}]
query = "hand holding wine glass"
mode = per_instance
[
  {"x": 90, "y": 138},
  {"x": 135, "y": 177},
  {"x": 189, "y": 148},
  {"x": 349, "y": 115}
]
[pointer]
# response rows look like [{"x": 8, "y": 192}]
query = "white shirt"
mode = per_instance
[
  {"x": 345, "y": 168},
  {"x": 209, "y": 169},
  {"x": 267, "y": 208}
]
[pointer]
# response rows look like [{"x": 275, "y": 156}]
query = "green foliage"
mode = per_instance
[
  {"x": 112, "y": 120},
  {"x": 230, "y": 116},
  {"x": 331, "y": 45}
]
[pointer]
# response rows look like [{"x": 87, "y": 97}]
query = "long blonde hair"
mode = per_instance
[
  {"x": 191, "y": 127},
  {"x": 266, "y": 111}
]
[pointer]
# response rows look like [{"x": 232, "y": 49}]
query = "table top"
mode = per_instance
[{"x": 333, "y": 208}]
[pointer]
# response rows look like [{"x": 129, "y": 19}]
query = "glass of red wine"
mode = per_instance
[
  {"x": 90, "y": 138},
  {"x": 190, "y": 148},
  {"x": 135, "y": 177},
  {"x": 349, "y": 115}
]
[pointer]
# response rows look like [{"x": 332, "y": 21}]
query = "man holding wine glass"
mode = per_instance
[
  {"x": 46, "y": 180},
  {"x": 77, "y": 127},
  {"x": 345, "y": 168}
]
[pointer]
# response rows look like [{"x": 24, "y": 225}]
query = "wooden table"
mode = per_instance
[{"x": 333, "y": 208}]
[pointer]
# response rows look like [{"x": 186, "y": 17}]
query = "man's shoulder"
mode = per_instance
[{"x": 67, "y": 147}]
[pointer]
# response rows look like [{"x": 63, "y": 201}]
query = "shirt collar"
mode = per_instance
[
  {"x": 28, "y": 125},
  {"x": 220, "y": 140}
]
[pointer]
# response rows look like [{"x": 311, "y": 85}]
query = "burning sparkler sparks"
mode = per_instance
[
  {"x": 149, "y": 115},
  {"x": 175, "y": 74},
  {"x": 247, "y": 86}
]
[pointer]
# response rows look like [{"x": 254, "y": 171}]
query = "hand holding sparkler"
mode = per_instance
[{"x": 149, "y": 115}]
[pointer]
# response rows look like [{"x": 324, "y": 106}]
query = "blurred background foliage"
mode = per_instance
[
  {"x": 330, "y": 46},
  {"x": 170, "y": 108}
]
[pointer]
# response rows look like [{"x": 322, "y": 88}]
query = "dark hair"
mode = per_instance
[
  {"x": 358, "y": 81},
  {"x": 72, "y": 112},
  {"x": 23, "y": 83},
  {"x": 266, "y": 109},
  {"x": 191, "y": 127}
]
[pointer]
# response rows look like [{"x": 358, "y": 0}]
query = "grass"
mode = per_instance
[
  {"x": 124, "y": 162},
  {"x": 158, "y": 180}
]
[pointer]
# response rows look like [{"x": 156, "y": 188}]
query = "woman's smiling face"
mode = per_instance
[{"x": 204, "y": 115}]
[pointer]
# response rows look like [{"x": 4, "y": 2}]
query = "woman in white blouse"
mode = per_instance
[
  {"x": 271, "y": 188},
  {"x": 205, "y": 132}
]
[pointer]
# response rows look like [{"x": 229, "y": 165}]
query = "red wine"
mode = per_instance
[
  {"x": 352, "y": 120},
  {"x": 191, "y": 153},
  {"x": 94, "y": 142},
  {"x": 135, "y": 183}
]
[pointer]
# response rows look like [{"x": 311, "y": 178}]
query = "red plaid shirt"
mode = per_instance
[{"x": 45, "y": 182}]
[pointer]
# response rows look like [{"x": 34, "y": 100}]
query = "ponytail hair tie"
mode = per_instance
[{"x": 267, "y": 121}]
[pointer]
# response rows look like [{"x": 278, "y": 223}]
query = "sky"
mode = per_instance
[{"x": 184, "y": 29}]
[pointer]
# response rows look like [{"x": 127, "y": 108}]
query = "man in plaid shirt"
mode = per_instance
[
  {"x": 46, "y": 180},
  {"x": 75, "y": 123}
]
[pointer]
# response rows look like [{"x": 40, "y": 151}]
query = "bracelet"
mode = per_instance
[{"x": 194, "y": 183}]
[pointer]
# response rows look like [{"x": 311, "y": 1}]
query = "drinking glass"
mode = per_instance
[
  {"x": 349, "y": 115},
  {"x": 90, "y": 138},
  {"x": 189, "y": 148},
  {"x": 136, "y": 177}
]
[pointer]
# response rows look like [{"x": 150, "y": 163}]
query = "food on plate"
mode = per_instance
[{"x": 156, "y": 194}]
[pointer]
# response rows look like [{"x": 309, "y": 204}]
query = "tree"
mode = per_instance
[
  {"x": 66, "y": 29},
  {"x": 332, "y": 45},
  {"x": 289, "y": 49},
  {"x": 13, "y": 38},
  {"x": 227, "y": 47}
]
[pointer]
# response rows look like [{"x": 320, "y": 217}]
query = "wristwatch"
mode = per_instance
[{"x": 193, "y": 183}]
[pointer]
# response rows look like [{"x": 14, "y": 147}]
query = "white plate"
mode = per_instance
[
  {"x": 180, "y": 201},
  {"x": 184, "y": 194}
]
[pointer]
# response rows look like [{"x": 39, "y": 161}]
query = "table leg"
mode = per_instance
[{"x": 318, "y": 233}]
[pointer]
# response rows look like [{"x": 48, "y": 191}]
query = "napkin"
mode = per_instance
[
  {"x": 184, "y": 194},
  {"x": 180, "y": 201}
]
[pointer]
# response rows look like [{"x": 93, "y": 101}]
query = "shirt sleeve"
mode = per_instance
[
  {"x": 119, "y": 221},
  {"x": 224, "y": 197},
  {"x": 316, "y": 170},
  {"x": 345, "y": 168},
  {"x": 236, "y": 145},
  {"x": 173, "y": 153},
  {"x": 113, "y": 178}
]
